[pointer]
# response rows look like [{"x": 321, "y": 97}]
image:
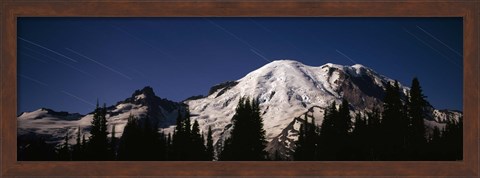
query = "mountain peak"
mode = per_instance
[
  {"x": 332, "y": 65},
  {"x": 145, "y": 92},
  {"x": 357, "y": 66},
  {"x": 283, "y": 62},
  {"x": 283, "y": 66}
]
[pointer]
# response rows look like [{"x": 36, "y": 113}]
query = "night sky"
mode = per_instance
[{"x": 65, "y": 64}]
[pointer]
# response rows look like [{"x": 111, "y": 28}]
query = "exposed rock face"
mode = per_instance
[{"x": 222, "y": 87}]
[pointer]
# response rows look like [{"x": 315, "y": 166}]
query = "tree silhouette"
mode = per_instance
[
  {"x": 394, "y": 125},
  {"x": 360, "y": 138},
  {"x": 98, "y": 142},
  {"x": 35, "y": 149},
  {"x": 181, "y": 138},
  {"x": 373, "y": 135},
  {"x": 168, "y": 147},
  {"x": 64, "y": 151},
  {"x": 327, "y": 139},
  {"x": 306, "y": 149},
  {"x": 129, "y": 148},
  {"x": 197, "y": 146},
  {"x": 247, "y": 141},
  {"x": 416, "y": 114},
  {"x": 453, "y": 139},
  {"x": 77, "y": 152},
  {"x": 343, "y": 124},
  {"x": 113, "y": 144},
  {"x": 209, "y": 150}
]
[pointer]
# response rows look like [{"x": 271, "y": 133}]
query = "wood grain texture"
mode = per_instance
[{"x": 10, "y": 10}]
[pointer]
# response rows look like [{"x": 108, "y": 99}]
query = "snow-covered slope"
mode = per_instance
[
  {"x": 49, "y": 124},
  {"x": 288, "y": 89},
  {"x": 288, "y": 92},
  {"x": 53, "y": 126}
]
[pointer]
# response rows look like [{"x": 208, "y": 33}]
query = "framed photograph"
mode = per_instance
[{"x": 257, "y": 88}]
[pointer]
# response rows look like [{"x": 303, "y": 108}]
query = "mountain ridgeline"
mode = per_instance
[{"x": 299, "y": 112}]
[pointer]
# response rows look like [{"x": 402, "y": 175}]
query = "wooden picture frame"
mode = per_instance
[{"x": 11, "y": 10}]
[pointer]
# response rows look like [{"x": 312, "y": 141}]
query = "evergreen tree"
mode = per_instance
[
  {"x": 168, "y": 147},
  {"x": 210, "y": 149},
  {"x": 306, "y": 149},
  {"x": 334, "y": 140},
  {"x": 35, "y": 149},
  {"x": 187, "y": 123},
  {"x": 343, "y": 125},
  {"x": 247, "y": 141},
  {"x": 436, "y": 149},
  {"x": 113, "y": 144},
  {"x": 311, "y": 139},
  {"x": 453, "y": 139},
  {"x": 360, "y": 139},
  {"x": 416, "y": 112},
  {"x": 84, "y": 145},
  {"x": 258, "y": 133},
  {"x": 181, "y": 138},
  {"x": 373, "y": 135},
  {"x": 436, "y": 134},
  {"x": 307, "y": 141},
  {"x": 150, "y": 140},
  {"x": 299, "y": 154},
  {"x": 330, "y": 115},
  {"x": 327, "y": 143},
  {"x": 98, "y": 142},
  {"x": 197, "y": 148},
  {"x": 79, "y": 132},
  {"x": 129, "y": 148},
  {"x": 163, "y": 146},
  {"x": 77, "y": 149},
  {"x": 394, "y": 125},
  {"x": 141, "y": 141},
  {"x": 64, "y": 152}
]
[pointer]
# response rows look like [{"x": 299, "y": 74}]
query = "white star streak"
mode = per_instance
[
  {"x": 431, "y": 47},
  {"x": 48, "y": 49},
  {"x": 231, "y": 34},
  {"x": 139, "y": 73},
  {"x": 78, "y": 98},
  {"x": 260, "y": 25},
  {"x": 63, "y": 91},
  {"x": 279, "y": 37},
  {"x": 61, "y": 62},
  {"x": 143, "y": 41},
  {"x": 344, "y": 55},
  {"x": 33, "y": 80},
  {"x": 101, "y": 64},
  {"x": 252, "y": 48},
  {"x": 33, "y": 57},
  {"x": 258, "y": 54},
  {"x": 451, "y": 49}
]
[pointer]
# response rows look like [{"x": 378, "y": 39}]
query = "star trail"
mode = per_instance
[{"x": 66, "y": 64}]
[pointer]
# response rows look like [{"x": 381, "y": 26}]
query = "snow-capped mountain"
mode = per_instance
[
  {"x": 53, "y": 126},
  {"x": 288, "y": 92},
  {"x": 48, "y": 124},
  {"x": 288, "y": 89}
]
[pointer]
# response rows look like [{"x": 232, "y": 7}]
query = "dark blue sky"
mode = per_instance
[{"x": 67, "y": 63}]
